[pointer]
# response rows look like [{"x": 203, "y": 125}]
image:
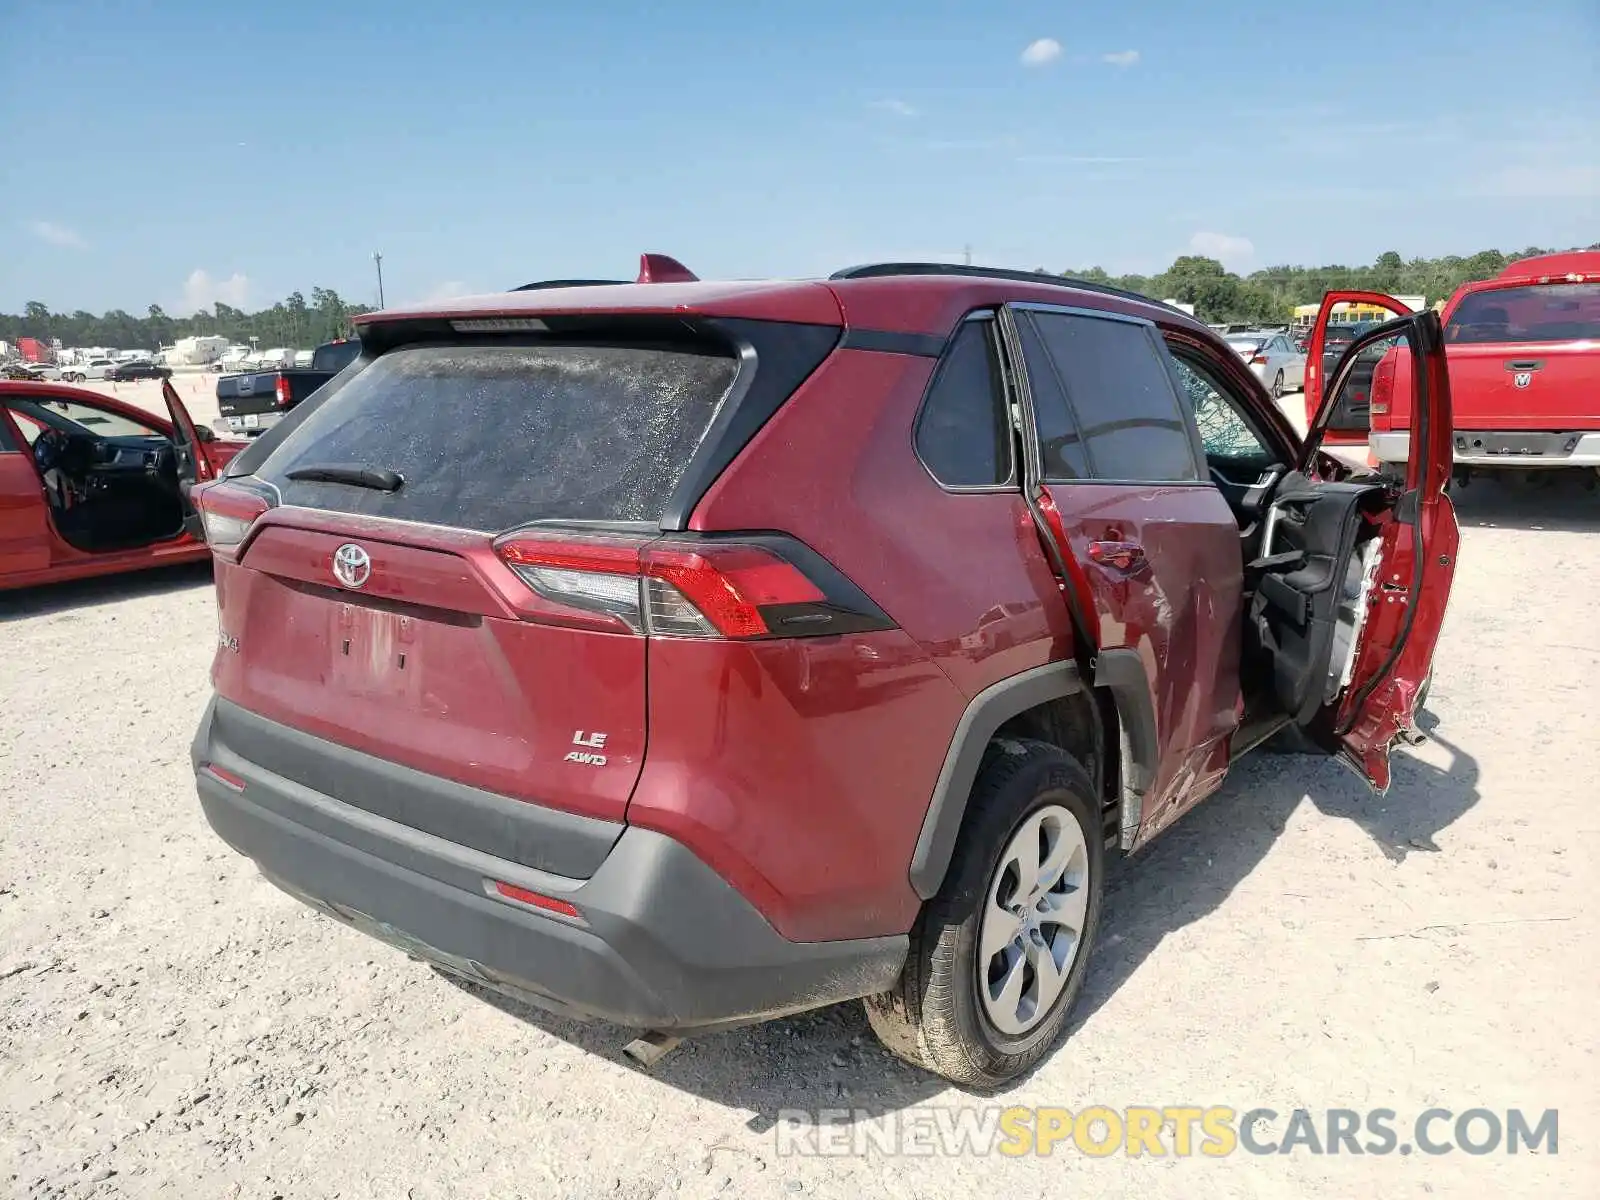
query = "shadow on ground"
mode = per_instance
[
  {"x": 830, "y": 1058},
  {"x": 1192, "y": 868},
  {"x": 1554, "y": 501},
  {"x": 105, "y": 589}
]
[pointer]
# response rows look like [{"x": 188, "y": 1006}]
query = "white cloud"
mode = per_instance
[
  {"x": 1045, "y": 50},
  {"x": 898, "y": 107},
  {"x": 57, "y": 235},
  {"x": 1121, "y": 58},
  {"x": 1230, "y": 251},
  {"x": 201, "y": 291}
]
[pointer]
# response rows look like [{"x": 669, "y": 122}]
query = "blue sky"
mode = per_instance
[{"x": 183, "y": 152}]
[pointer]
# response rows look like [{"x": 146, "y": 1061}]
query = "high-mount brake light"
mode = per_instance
[
  {"x": 227, "y": 513},
  {"x": 500, "y": 325},
  {"x": 690, "y": 589}
]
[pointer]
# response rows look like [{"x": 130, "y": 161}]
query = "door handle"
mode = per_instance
[{"x": 1124, "y": 556}]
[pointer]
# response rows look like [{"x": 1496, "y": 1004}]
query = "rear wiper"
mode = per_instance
[{"x": 379, "y": 479}]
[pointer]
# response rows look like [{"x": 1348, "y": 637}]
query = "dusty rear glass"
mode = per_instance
[{"x": 492, "y": 436}]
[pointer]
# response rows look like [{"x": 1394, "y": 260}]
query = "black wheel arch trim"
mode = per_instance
[{"x": 1120, "y": 671}]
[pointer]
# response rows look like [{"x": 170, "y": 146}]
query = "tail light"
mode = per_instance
[
  {"x": 1258, "y": 359},
  {"x": 1382, "y": 393},
  {"x": 725, "y": 587},
  {"x": 281, "y": 391},
  {"x": 227, "y": 511}
]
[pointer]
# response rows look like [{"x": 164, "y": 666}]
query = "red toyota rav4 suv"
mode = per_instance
[{"x": 685, "y": 654}]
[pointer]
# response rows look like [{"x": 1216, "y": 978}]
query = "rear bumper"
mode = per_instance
[
  {"x": 662, "y": 941},
  {"x": 250, "y": 424},
  {"x": 1516, "y": 450}
]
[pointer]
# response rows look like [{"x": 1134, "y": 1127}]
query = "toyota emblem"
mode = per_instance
[
  {"x": 1522, "y": 379},
  {"x": 352, "y": 566}
]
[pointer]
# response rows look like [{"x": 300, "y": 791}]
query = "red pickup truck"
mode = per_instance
[{"x": 1524, "y": 359}]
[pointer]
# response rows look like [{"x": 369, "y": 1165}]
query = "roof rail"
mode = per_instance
[
  {"x": 879, "y": 270},
  {"x": 541, "y": 284}
]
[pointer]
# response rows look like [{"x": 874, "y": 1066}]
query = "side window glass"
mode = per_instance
[
  {"x": 962, "y": 433},
  {"x": 7, "y": 441},
  {"x": 1122, "y": 395},
  {"x": 1223, "y": 431},
  {"x": 1061, "y": 452}
]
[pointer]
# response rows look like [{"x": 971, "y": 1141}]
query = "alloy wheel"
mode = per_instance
[{"x": 1033, "y": 917}]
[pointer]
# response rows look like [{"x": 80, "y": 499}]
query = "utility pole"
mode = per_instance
[
  {"x": 377, "y": 259},
  {"x": 968, "y": 253}
]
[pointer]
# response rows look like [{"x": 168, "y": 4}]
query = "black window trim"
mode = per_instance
[
  {"x": 1011, "y": 484},
  {"x": 1159, "y": 344}
]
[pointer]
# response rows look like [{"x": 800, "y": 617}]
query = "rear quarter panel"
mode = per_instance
[{"x": 803, "y": 770}]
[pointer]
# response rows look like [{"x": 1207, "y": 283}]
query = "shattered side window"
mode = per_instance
[{"x": 1223, "y": 431}]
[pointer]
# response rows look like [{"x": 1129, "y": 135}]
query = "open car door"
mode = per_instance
[
  {"x": 1350, "y": 588},
  {"x": 195, "y": 464}
]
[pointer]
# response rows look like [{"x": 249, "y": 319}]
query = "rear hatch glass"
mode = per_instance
[{"x": 488, "y": 436}]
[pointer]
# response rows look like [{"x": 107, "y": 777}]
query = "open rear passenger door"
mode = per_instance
[
  {"x": 1354, "y": 571},
  {"x": 194, "y": 461}
]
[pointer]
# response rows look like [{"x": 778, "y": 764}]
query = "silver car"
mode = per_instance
[
  {"x": 95, "y": 368},
  {"x": 1273, "y": 358}
]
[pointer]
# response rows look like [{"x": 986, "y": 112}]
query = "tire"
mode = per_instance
[
  {"x": 937, "y": 1016},
  {"x": 1277, "y": 386}
]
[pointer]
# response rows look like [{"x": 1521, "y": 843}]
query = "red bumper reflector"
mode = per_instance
[
  {"x": 549, "y": 903},
  {"x": 226, "y": 776}
]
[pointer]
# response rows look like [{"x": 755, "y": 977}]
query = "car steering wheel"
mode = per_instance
[{"x": 48, "y": 448}]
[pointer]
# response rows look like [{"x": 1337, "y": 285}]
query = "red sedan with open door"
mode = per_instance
[{"x": 90, "y": 485}]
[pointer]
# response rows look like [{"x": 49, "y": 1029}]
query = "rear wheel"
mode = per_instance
[
  {"x": 999, "y": 954},
  {"x": 1277, "y": 386}
]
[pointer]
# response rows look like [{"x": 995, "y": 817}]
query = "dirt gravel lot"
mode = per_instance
[{"x": 171, "y": 1025}]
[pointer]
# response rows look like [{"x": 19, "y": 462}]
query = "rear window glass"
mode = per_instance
[
  {"x": 1553, "y": 312},
  {"x": 487, "y": 437},
  {"x": 335, "y": 356}
]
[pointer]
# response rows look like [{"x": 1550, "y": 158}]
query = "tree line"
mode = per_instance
[
  {"x": 1271, "y": 295},
  {"x": 1218, "y": 295},
  {"x": 293, "y": 321}
]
